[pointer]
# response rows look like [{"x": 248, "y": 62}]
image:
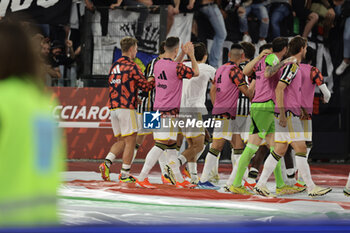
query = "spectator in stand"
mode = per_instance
[
  {"x": 344, "y": 8},
  {"x": 279, "y": 9},
  {"x": 41, "y": 46},
  {"x": 103, "y": 7},
  {"x": 53, "y": 72},
  {"x": 301, "y": 9},
  {"x": 259, "y": 10},
  {"x": 59, "y": 58},
  {"x": 211, "y": 10},
  {"x": 173, "y": 9},
  {"x": 324, "y": 9}
]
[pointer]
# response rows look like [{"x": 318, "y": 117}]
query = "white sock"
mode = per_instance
[
  {"x": 215, "y": 169},
  {"x": 174, "y": 164},
  {"x": 308, "y": 152},
  {"x": 125, "y": 171},
  {"x": 200, "y": 153},
  {"x": 296, "y": 168},
  {"x": 290, "y": 171},
  {"x": 269, "y": 166},
  {"x": 192, "y": 168},
  {"x": 151, "y": 159},
  {"x": 348, "y": 183},
  {"x": 304, "y": 169},
  {"x": 234, "y": 158},
  {"x": 252, "y": 180},
  {"x": 284, "y": 170},
  {"x": 210, "y": 162},
  {"x": 182, "y": 159},
  {"x": 134, "y": 156},
  {"x": 245, "y": 176},
  {"x": 300, "y": 176},
  {"x": 162, "y": 163},
  {"x": 290, "y": 178},
  {"x": 110, "y": 157}
]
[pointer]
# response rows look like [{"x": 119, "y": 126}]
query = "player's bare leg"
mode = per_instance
[
  {"x": 116, "y": 149},
  {"x": 139, "y": 140},
  {"x": 256, "y": 163},
  {"x": 195, "y": 146},
  {"x": 129, "y": 146}
]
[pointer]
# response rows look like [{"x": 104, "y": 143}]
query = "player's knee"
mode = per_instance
[
  {"x": 281, "y": 148},
  {"x": 217, "y": 145},
  {"x": 197, "y": 147},
  {"x": 300, "y": 149}
]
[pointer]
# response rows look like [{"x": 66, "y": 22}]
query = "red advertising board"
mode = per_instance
[{"x": 84, "y": 116}]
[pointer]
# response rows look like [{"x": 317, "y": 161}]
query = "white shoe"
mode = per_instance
[
  {"x": 318, "y": 191},
  {"x": 247, "y": 38},
  {"x": 263, "y": 191},
  {"x": 261, "y": 43},
  {"x": 290, "y": 181},
  {"x": 341, "y": 68},
  {"x": 107, "y": 40},
  {"x": 214, "y": 177},
  {"x": 346, "y": 192}
]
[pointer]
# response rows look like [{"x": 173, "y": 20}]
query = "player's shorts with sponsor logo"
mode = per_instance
[
  {"x": 124, "y": 121},
  {"x": 191, "y": 130},
  {"x": 293, "y": 132},
  {"x": 262, "y": 116},
  {"x": 141, "y": 129}
]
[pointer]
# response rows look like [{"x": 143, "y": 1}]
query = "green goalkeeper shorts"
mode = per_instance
[{"x": 263, "y": 119}]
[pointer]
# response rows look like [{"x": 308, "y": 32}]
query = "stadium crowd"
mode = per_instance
[{"x": 233, "y": 20}]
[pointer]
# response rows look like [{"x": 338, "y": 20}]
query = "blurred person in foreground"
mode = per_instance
[{"x": 28, "y": 134}]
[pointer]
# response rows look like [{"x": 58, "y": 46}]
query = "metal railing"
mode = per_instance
[{"x": 97, "y": 58}]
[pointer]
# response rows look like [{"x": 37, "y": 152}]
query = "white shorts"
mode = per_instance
[
  {"x": 124, "y": 121},
  {"x": 226, "y": 129},
  {"x": 239, "y": 125},
  {"x": 307, "y": 126},
  {"x": 293, "y": 132},
  {"x": 168, "y": 131},
  {"x": 141, "y": 130},
  {"x": 192, "y": 131}
]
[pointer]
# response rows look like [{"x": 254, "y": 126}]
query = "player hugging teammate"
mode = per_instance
[{"x": 281, "y": 94}]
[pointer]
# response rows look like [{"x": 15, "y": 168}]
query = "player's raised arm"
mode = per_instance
[
  {"x": 271, "y": 70},
  {"x": 189, "y": 50},
  {"x": 182, "y": 53},
  {"x": 249, "y": 67}
]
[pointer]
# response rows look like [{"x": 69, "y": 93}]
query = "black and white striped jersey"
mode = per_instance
[
  {"x": 243, "y": 103},
  {"x": 147, "y": 98}
]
